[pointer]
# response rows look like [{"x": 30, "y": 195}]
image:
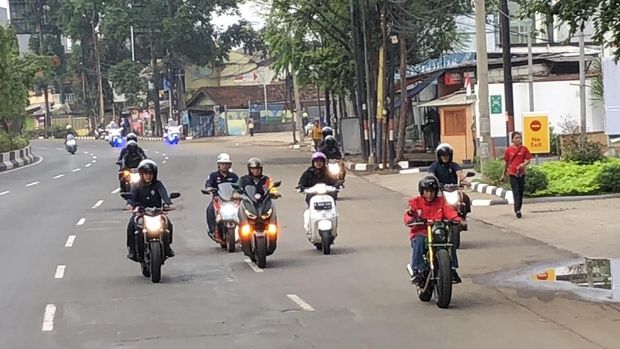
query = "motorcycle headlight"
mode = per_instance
[
  {"x": 250, "y": 214},
  {"x": 333, "y": 169},
  {"x": 153, "y": 225},
  {"x": 267, "y": 214},
  {"x": 452, "y": 197},
  {"x": 228, "y": 210},
  {"x": 440, "y": 236},
  {"x": 134, "y": 177}
]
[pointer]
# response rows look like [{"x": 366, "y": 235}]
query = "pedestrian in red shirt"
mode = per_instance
[
  {"x": 429, "y": 206},
  {"x": 517, "y": 157}
]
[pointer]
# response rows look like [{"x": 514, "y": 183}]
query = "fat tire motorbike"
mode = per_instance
[
  {"x": 437, "y": 277},
  {"x": 259, "y": 227},
  {"x": 151, "y": 230},
  {"x": 226, "y": 204}
]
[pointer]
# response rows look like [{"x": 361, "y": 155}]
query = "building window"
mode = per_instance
[{"x": 455, "y": 123}]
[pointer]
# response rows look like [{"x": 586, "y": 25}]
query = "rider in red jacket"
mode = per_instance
[{"x": 429, "y": 206}]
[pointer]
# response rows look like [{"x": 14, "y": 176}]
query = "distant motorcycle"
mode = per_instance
[
  {"x": 71, "y": 146},
  {"x": 100, "y": 133},
  {"x": 173, "y": 135},
  {"x": 115, "y": 137}
]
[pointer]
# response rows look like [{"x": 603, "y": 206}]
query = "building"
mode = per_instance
[{"x": 4, "y": 12}]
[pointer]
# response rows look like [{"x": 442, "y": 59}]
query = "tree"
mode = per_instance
[
  {"x": 576, "y": 13},
  {"x": 17, "y": 74},
  {"x": 126, "y": 79}
]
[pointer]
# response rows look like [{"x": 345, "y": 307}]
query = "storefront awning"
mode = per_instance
[
  {"x": 412, "y": 92},
  {"x": 458, "y": 98}
]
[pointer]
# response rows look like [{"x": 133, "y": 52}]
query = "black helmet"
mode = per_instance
[
  {"x": 330, "y": 141},
  {"x": 132, "y": 137},
  {"x": 327, "y": 131},
  {"x": 148, "y": 166},
  {"x": 444, "y": 149},
  {"x": 132, "y": 147},
  {"x": 429, "y": 182},
  {"x": 254, "y": 163}
]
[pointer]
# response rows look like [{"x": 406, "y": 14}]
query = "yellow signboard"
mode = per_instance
[{"x": 536, "y": 133}]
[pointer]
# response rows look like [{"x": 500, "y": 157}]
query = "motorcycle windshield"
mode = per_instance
[
  {"x": 250, "y": 191},
  {"x": 225, "y": 191}
]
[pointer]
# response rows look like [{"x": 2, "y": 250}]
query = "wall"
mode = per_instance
[
  {"x": 558, "y": 98},
  {"x": 463, "y": 145}
]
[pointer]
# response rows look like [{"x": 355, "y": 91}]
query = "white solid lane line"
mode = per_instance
[
  {"x": 302, "y": 304},
  {"x": 116, "y": 191},
  {"x": 4, "y": 193},
  {"x": 31, "y": 184},
  {"x": 253, "y": 266},
  {"x": 60, "y": 272},
  {"x": 23, "y": 167},
  {"x": 70, "y": 241},
  {"x": 97, "y": 204},
  {"x": 81, "y": 221},
  {"x": 59, "y": 176},
  {"x": 48, "y": 318},
  {"x": 76, "y": 170}
]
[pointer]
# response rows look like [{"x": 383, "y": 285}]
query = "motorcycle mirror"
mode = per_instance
[
  {"x": 236, "y": 186},
  {"x": 175, "y": 195},
  {"x": 126, "y": 196},
  {"x": 277, "y": 184},
  {"x": 205, "y": 191},
  {"x": 470, "y": 174}
]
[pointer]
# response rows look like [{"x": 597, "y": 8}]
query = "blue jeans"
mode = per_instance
[{"x": 417, "y": 258}]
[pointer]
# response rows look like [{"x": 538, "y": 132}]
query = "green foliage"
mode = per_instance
[
  {"x": 125, "y": 77},
  {"x": 609, "y": 176},
  {"x": 535, "y": 180},
  {"x": 570, "y": 178},
  {"x": 554, "y": 146},
  {"x": 493, "y": 172},
  {"x": 10, "y": 142},
  {"x": 579, "y": 149},
  {"x": 576, "y": 13},
  {"x": 477, "y": 163}
]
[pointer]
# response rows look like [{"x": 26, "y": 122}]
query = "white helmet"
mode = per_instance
[
  {"x": 68, "y": 127},
  {"x": 224, "y": 158}
]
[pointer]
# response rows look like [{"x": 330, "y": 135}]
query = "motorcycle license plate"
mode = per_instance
[{"x": 323, "y": 205}]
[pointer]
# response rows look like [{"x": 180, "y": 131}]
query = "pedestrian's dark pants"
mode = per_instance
[
  {"x": 251, "y": 132},
  {"x": 417, "y": 258},
  {"x": 518, "y": 185},
  {"x": 211, "y": 218},
  {"x": 131, "y": 233}
]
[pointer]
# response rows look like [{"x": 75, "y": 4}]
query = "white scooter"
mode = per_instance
[
  {"x": 173, "y": 134},
  {"x": 321, "y": 218}
]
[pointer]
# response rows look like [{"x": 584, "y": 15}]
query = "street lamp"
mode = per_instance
[{"x": 133, "y": 54}]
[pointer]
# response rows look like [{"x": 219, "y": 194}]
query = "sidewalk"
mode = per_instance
[
  {"x": 588, "y": 228},
  {"x": 272, "y": 139}
]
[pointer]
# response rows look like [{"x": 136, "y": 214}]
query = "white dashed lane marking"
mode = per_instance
[
  {"x": 32, "y": 184},
  {"x": 97, "y": 204},
  {"x": 302, "y": 304},
  {"x": 48, "y": 318},
  {"x": 70, "y": 241},
  {"x": 59, "y": 176},
  {"x": 60, "y": 272},
  {"x": 81, "y": 221}
]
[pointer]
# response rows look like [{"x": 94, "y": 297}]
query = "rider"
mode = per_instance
[
  {"x": 449, "y": 172},
  {"x": 256, "y": 178},
  {"x": 70, "y": 131},
  {"x": 315, "y": 174},
  {"x": 330, "y": 148},
  {"x": 150, "y": 193},
  {"x": 325, "y": 132},
  {"x": 222, "y": 175},
  {"x": 131, "y": 137},
  {"x": 429, "y": 206}
]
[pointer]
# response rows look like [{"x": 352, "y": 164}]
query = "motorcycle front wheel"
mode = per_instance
[
  {"x": 230, "y": 239},
  {"x": 444, "y": 279},
  {"x": 261, "y": 251},
  {"x": 156, "y": 261}
]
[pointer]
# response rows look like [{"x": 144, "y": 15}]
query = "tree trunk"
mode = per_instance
[
  {"x": 404, "y": 101},
  {"x": 328, "y": 118}
]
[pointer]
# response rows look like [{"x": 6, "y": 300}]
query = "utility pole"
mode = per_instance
[
  {"x": 297, "y": 105},
  {"x": 99, "y": 80},
  {"x": 404, "y": 101},
  {"x": 530, "y": 70},
  {"x": 508, "y": 93},
  {"x": 360, "y": 91},
  {"x": 47, "y": 121},
  {"x": 482, "y": 71},
  {"x": 582, "y": 81},
  {"x": 372, "y": 158}
]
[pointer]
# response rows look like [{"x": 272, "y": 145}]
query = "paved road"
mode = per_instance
[{"x": 359, "y": 297}]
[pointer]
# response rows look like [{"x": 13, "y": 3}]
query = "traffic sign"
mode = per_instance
[{"x": 536, "y": 135}]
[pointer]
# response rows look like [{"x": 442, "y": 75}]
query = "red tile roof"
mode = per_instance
[{"x": 238, "y": 96}]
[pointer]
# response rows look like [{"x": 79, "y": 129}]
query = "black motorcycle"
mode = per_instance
[
  {"x": 259, "y": 224},
  {"x": 151, "y": 230}
]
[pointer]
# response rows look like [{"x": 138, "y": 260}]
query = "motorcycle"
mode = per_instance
[
  {"x": 455, "y": 197},
  {"x": 437, "y": 277},
  {"x": 321, "y": 217},
  {"x": 71, "y": 146},
  {"x": 129, "y": 178},
  {"x": 259, "y": 228},
  {"x": 173, "y": 135},
  {"x": 151, "y": 227},
  {"x": 226, "y": 207},
  {"x": 115, "y": 137},
  {"x": 100, "y": 133}
]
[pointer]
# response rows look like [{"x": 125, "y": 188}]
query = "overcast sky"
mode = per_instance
[
  {"x": 252, "y": 11},
  {"x": 4, "y": 3}
]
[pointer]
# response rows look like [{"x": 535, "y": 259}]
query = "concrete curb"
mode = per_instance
[
  {"x": 16, "y": 158},
  {"x": 570, "y": 198},
  {"x": 493, "y": 190}
]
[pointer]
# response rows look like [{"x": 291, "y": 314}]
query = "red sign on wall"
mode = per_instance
[{"x": 452, "y": 79}]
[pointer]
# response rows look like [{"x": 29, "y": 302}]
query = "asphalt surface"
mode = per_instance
[{"x": 67, "y": 284}]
